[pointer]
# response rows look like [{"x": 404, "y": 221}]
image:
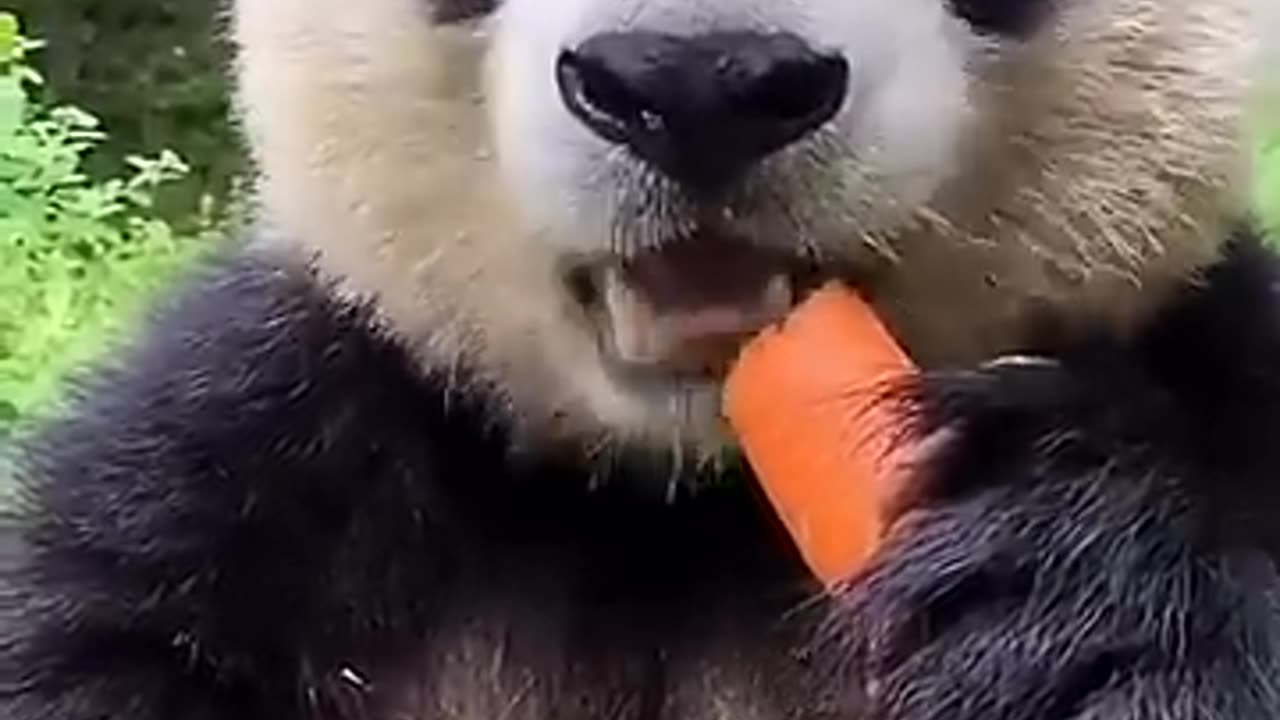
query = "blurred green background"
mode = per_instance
[
  {"x": 122, "y": 165},
  {"x": 118, "y": 164}
]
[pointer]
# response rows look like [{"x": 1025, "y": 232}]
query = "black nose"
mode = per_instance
[{"x": 701, "y": 109}]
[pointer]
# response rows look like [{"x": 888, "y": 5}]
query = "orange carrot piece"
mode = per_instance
[{"x": 805, "y": 401}]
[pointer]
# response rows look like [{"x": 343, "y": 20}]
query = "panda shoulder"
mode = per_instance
[
  {"x": 252, "y": 376},
  {"x": 1189, "y": 403}
]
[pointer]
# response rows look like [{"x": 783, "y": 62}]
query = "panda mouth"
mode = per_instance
[{"x": 684, "y": 310}]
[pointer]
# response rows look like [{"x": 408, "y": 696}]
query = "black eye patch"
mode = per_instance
[
  {"x": 452, "y": 11},
  {"x": 1006, "y": 18}
]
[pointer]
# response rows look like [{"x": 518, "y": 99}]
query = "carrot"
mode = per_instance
[{"x": 804, "y": 400}]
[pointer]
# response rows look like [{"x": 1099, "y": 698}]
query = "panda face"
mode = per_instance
[
  {"x": 590, "y": 203},
  {"x": 696, "y": 165}
]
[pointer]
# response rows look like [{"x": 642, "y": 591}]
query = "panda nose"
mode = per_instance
[{"x": 701, "y": 109}]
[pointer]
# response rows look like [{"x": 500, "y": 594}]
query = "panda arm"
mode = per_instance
[
  {"x": 205, "y": 532},
  {"x": 1100, "y": 537}
]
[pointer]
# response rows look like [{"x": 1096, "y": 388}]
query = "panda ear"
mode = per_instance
[{"x": 452, "y": 11}]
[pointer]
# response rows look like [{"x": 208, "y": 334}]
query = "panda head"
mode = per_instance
[{"x": 589, "y": 203}]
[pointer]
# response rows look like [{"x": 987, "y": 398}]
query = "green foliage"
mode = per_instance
[
  {"x": 1267, "y": 182},
  {"x": 77, "y": 254},
  {"x": 156, "y": 73}
]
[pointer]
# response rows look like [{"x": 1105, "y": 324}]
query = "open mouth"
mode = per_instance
[{"x": 685, "y": 309}]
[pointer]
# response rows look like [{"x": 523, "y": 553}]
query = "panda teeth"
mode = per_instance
[
  {"x": 639, "y": 334},
  {"x": 632, "y": 322}
]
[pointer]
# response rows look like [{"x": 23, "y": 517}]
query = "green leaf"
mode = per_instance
[
  {"x": 79, "y": 252},
  {"x": 13, "y": 104},
  {"x": 10, "y": 37}
]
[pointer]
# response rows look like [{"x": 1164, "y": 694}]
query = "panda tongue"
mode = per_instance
[{"x": 689, "y": 306}]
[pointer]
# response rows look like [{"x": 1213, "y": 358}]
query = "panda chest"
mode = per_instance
[{"x": 538, "y": 645}]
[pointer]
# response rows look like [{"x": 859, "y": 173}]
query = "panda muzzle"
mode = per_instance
[{"x": 687, "y": 308}]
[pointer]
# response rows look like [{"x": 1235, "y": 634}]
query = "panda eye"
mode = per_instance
[
  {"x": 1006, "y": 18},
  {"x": 453, "y": 11}
]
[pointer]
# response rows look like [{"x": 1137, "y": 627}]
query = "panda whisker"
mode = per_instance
[
  {"x": 598, "y": 453},
  {"x": 833, "y": 153},
  {"x": 676, "y": 446}
]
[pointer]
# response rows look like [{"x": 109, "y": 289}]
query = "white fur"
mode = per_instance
[
  {"x": 886, "y": 152},
  {"x": 1083, "y": 170}
]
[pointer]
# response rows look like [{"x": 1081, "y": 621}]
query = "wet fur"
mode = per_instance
[{"x": 321, "y": 485}]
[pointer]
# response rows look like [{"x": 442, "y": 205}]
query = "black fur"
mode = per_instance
[
  {"x": 1005, "y": 18},
  {"x": 1100, "y": 541},
  {"x": 268, "y": 512},
  {"x": 726, "y": 100},
  {"x": 453, "y": 11}
]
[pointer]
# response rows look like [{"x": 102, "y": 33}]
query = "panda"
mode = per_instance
[{"x": 441, "y": 438}]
